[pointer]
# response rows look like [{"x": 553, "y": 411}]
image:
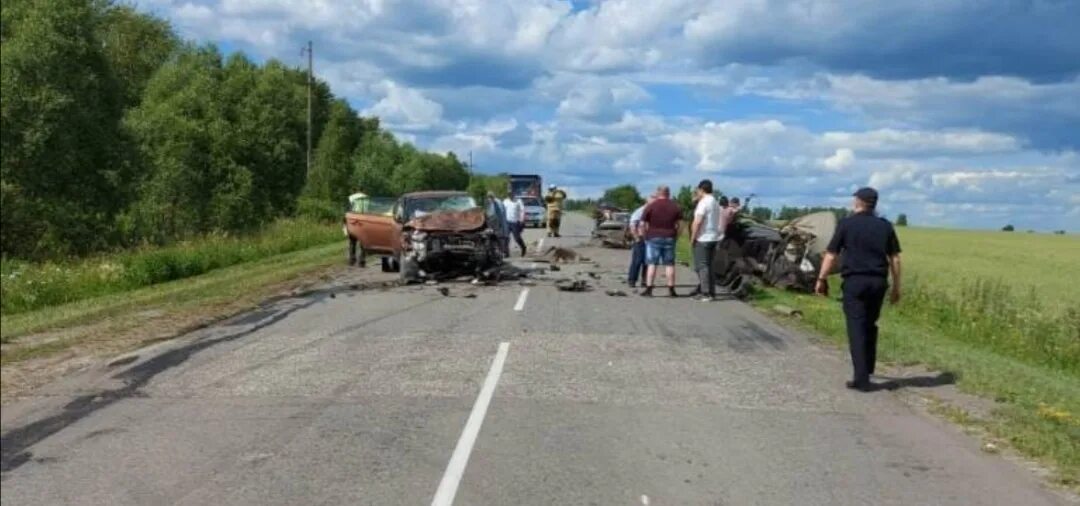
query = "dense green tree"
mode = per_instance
[
  {"x": 761, "y": 213},
  {"x": 184, "y": 136},
  {"x": 625, "y": 196},
  {"x": 901, "y": 220},
  {"x": 60, "y": 108},
  {"x": 333, "y": 164},
  {"x": 481, "y": 184},
  {"x": 1008, "y": 228},
  {"x": 685, "y": 199},
  {"x": 135, "y": 45}
]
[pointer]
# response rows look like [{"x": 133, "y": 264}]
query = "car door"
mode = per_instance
[{"x": 377, "y": 233}]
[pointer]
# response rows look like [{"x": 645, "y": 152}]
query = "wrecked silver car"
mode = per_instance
[{"x": 786, "y": 257}]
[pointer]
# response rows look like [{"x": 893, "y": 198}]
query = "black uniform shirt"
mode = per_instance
[{"x": 867, "y": 242}]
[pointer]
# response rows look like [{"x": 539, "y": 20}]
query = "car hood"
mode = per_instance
[{"x": 449, "y": 221}]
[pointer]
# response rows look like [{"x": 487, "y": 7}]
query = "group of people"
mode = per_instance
[
  {"x": 864, "y": 245},
  {"x": 655, "y": 229}
]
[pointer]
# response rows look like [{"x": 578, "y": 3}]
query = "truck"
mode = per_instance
[{"x": 526, "y": 185}]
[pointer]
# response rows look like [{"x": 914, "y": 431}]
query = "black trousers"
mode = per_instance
[{"x": 863, "y": 297}]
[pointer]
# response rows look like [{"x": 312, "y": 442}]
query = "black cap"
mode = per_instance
[{"x": 868, "y": 195}]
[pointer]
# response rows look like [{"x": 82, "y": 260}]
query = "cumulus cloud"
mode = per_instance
[
  {"x": 940, "y": 104},
  {"x": 841, "y": 159},
  {"x": 405, "y": 108}
]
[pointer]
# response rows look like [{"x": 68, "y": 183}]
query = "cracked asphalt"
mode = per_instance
[{"x": 361, "y": 397}]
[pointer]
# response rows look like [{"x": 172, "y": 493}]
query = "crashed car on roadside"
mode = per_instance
[
  {"x": 614, "y": 230},
  {"x": 432, "y": 234},
  {"x": 786, "y": 257}
]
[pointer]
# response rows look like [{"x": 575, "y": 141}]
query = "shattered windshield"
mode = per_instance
[{"x": 421, "y": 206}]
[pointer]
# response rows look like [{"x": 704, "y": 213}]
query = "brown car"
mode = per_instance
[{"x": 430, "y": 234}]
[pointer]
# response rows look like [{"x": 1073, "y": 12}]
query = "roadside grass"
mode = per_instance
[
  {"x": 1038, "y": 406},
  {"x": 1001, "y": 312},
  {"x": 27, "y": 287},
  {"x": 241, "y": 284}
]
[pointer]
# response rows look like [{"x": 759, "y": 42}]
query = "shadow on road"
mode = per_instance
[{"x": 941, "y": 379}]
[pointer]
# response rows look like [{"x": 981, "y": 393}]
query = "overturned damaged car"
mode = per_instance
[
  {"x": 437, "y": 234},
  {"x": 786, "y": 257}
]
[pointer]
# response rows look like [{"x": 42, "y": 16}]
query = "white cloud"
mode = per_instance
[
  {"x": 889, "y": 141},
  {"x": 839, "y": 160},
  {"x": 405, "y": 108}
]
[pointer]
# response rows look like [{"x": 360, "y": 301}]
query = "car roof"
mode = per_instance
[{"x": 440, "y": 193}]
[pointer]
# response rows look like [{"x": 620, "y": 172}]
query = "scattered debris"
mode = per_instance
[
  {"x": 787, "y": 311},
  {"x": 593, "y": 275},
  {"x": 555, "y": 267},
  {"x": 615, "y": 293},
  {"x": 527, "y": 282},
  {"x": 556, "y": 254},
  {"x": 444, "y": 291},
  {"x": 332, "y": 296},
  {"x": 572, "y": 285},
  {"x": 990, "y": 447},
  {"x": 470, "y": 296},
  {"x": 431, "y": 282}
]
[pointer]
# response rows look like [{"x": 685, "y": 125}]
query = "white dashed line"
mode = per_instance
[
  {"x": 521, "y": 299},
  {"x": 444, "y": 496}
]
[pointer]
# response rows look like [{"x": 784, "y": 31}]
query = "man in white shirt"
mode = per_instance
[
  {"x": 705, "y": 233},
  {"x": 637, "y": 248},
  {"x": 515, "y": 218}
]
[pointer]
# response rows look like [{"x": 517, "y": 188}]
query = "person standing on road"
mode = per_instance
[
  {"x": 498, "y": 212},
  {"x": 554, "y": 200},
  {"x": 637, "y": 247},
  {"x": 515, "y": 218},
  {"x": 704, "y": 235},
  {"x": 870, "y": 252},
  {"x": 660, "y": 220}
]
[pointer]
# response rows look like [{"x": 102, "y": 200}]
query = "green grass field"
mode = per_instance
[{"x": 999, "y": 310}]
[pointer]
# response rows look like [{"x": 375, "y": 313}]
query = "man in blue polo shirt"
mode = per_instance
[{"x": 870, "y": 252}]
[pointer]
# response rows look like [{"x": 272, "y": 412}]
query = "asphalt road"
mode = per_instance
[{"x": 398, "y": 395}]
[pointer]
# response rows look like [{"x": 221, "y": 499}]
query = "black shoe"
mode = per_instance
[
  {"x": 647, "y": 292},
  {"x": 522, "y": 251},
  {"x": 862, "y": 386},
  {"x": 671, "y": 292},
  {"x": 696, "y": 292}
]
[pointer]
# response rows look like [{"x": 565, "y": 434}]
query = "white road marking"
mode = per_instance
[
  {"x": 444, "y": 496},
  {"x": 521, "y": 299},
  {"x": 645, "y": 499},
  {"x": 540, "y": 245}
]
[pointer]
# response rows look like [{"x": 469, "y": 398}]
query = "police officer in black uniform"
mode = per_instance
[{"x": 869, "y": 251}]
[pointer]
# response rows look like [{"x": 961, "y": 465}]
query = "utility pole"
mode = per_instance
[
  {"x": 470, "y": 161},
  {"x": 310, "y": 85}
]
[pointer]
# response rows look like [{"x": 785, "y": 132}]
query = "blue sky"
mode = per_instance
[{"x": 963, "y": 113}]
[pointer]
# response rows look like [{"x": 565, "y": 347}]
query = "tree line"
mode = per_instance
[{"x": 114, "y": 132}]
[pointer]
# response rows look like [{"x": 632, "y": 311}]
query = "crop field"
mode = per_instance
[
  {"x": 1041, "y": 266},
  {"x": 1001, "y": 312}
]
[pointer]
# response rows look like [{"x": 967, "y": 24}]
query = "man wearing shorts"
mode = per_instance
[{"x": 661, "y": 223}]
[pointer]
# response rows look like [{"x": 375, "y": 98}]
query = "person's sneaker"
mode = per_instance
[
  {"x": 671, "y": 292},
  {"x": 647, "y": 292},
  {"x": 704, "y": 298}
]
